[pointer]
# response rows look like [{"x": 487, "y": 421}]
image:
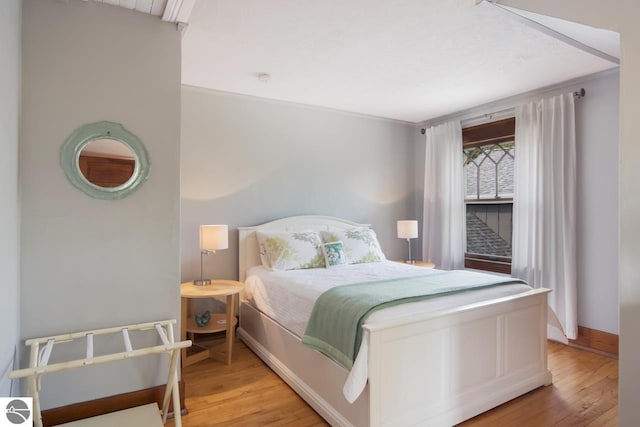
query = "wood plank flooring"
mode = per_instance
[{"x": 248, "y": 393}]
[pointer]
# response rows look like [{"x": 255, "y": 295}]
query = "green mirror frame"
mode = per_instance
[{"x": 84, "y": 135}]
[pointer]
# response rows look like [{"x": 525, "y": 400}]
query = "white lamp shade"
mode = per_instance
[
  {"x": 214, "y": 237},
  {"x": 407, "y": 229}
]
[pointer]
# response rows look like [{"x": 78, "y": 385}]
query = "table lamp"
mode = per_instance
[
  {"x": 408, "y": 229},
  {"x": 212, "y": 238}
]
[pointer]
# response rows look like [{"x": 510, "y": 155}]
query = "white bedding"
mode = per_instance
[{"x": 288, "y": 298}]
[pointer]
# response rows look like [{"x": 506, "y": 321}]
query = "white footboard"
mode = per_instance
[
  {"x": 444, "y": 369},
  {"x": 436, "y": 370}
]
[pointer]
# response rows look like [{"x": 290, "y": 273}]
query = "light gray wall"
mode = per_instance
[
  {"x": 629, "y": 189},
  {"x": 597, "y": 142},
  {"x": 420, "y": 142},
  {"x": 629, "y": 215},
  {"x": 620, "y": 16},
  {"x": 246, "y": 161},
  {"x": 88, "y": 263},
  {"x": 597, "y": 134},
  {"x": 10, "y": 12},
  {"x": 261, "y": 165}
]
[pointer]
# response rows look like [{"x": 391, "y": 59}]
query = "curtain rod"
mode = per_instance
[{"x": 577, "y": 94}]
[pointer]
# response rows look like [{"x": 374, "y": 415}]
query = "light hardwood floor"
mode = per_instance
[{"x": 248, "y": 393}]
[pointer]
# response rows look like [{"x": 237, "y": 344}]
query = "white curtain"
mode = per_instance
[
  {"x": 444, "y": 229},
  {"x": 544, "y": 207}
]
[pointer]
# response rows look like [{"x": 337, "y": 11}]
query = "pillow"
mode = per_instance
[
  {"x": 360, "y": 244},
  {"x": 334, "y": 254},
  {"x": 263, "y": 252},
  {"x": 291, "y": 251}
]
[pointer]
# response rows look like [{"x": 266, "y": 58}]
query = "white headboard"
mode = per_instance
[{"x": 249, "y": 252}]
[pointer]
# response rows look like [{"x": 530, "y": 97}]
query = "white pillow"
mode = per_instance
[
  {"x": 263, "y": 253},
  {"x": 291, "y": 251},
  {"x": 360, "y": 244}
]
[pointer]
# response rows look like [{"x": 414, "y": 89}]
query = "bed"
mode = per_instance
[{"x": 438, "y": 366}]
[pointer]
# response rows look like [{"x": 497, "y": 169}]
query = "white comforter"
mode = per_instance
[{"x": 288, "y": 297}]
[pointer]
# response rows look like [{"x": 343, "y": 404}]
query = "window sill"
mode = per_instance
[{"x": 489, "y": 265}]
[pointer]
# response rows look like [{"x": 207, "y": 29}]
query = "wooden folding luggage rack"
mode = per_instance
[{"x": 152, "y": 416}]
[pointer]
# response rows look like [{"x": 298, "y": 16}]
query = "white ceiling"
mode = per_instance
[
  {"x": 605, "y": 41},
  {"x": 410, "y": 60},
  {"x": 107, "y": 147}
]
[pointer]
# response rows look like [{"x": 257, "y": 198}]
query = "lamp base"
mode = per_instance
[
  {"x": 202, "y": 282},
  {"x": 409, "y": 261}
]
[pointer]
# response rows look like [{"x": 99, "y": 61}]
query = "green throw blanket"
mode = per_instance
[{"x": 335, "y": 325}]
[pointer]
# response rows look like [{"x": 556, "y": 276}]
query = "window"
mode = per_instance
[{"x": 489, "y": 151}]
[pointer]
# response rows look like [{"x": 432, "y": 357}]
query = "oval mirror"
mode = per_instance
[
  {"x": 106, "y": 163},
  {"x": 105, "y": 160}
]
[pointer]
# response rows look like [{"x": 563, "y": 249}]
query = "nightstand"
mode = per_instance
[
  {"x": 424, "y": 264},
  {"x": 218, "y": 322}
]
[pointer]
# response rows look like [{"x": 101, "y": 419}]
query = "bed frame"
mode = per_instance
[{"x": 436, "y": 369}]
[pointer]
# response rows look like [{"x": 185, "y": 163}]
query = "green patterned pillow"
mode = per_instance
[
  {"x": 334, "y": 254},
  {"x": 360, "y": 244},
  {"x": 291, "y": 251}
]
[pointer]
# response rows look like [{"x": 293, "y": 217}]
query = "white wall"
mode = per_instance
[
  {"x": 88, "y": 263},
  {"x": 10, "y": 18},
  {"x": 620, "y": 16},
  {"x": 247, "y": 160}
]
